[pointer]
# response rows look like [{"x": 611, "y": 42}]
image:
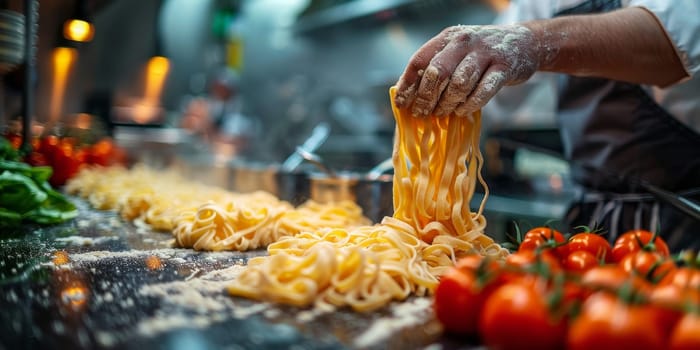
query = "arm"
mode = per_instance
[
  {"x": 627, "y": 45},
  {"x": 461, "y": 68}
]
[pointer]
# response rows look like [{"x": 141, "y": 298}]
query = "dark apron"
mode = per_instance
[{"x": 615, "y": 135}]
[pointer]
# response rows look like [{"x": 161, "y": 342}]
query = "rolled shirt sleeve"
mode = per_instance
[
  {"x": 681, "y": 21},
  {"x": 526, "y": 10}
]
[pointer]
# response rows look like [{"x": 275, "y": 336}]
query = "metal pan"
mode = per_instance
[
  {"x": 291, "y": 186},
  {"x": 372, "y": 191}
]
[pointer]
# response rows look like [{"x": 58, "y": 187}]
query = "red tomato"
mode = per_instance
[
  {"x": 580, "y": 261},
  {"x": 531, "y": 261},
  {"x": 592, "y": 243},
  {"x": 66, "y": 161},
  {"x": 684, "y": 277},
  {"x": 545, "y": 238},
  {"x": 670, "y": 301},
  {"x": 36, "y": 159},
  {"x": 612, "y": 278},
  {"x": 15, "y": 140},
  {"x": 49, "y": 147},
  {"x": 649, "y": 265},
  {"x": 102, "y": 153},
  {"x": 515, "y": 315},
  {"x": 629, "y": 242},
  {"x": 459, "y": 301},
  {"x": 472, "y": 262},
  {"x": 605, "y": 322},
  {"x": 686, "y": 334},
  {"x": 573, "y": 295}
]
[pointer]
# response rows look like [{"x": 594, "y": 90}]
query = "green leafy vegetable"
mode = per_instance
[
  {"x": 9, "y": 218},
  {"x": 26, "y": 195},
  {"x": 19, "y": 193},
  {"x": 38, "y": 173}
]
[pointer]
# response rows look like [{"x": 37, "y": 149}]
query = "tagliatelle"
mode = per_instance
[
  {"x": 365, "y": 268},
  {"x": 256, "y": 220},
  {"x": 326, "y": 254},
  {"x": 204, "y": 217},
  {"x": 236, "y": 225},
  {"x": 156, "y": 197},
  {"x": 437, "y": 163}
]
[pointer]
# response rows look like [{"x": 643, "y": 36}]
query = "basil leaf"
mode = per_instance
[
  {"x": 59, "y": 202},
  {"x": 56, "y": 208},
  {"x": 48, "y": 215},
  {"x": 25, "y": 193},
  {"x": 38, "y": 173},
  {"x": 19, "y": 193},
  {"x": 9, "y": 218}
]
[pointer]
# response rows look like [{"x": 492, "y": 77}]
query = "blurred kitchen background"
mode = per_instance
[{"x": 246, "y": 81}]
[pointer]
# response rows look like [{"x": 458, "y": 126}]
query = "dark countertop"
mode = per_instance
[{"x": 100, "y": 282}]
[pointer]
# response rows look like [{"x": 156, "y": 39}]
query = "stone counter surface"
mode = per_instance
[{"x": 99, "y": 282}]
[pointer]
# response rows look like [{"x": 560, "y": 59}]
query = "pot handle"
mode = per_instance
[
  {"x": 380, "y": 169},
  {"x": 318, "y": 136}
]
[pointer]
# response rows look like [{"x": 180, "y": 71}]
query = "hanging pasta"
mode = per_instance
[
  {"x": 327, "y": 254},
  {"x": 437, "y": 163}
]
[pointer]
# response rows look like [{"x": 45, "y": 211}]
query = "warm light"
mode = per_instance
[
  {"x": 156, "y": 72},
  {"x": 153, "y": 263},
  {"x": 60, "y": 257},
  {"x": 158, "y": 65},
  {"x": 146, "y": 109},
  {"x": 75, "y": 296},
  {"x": 78, "y": 30},
  {"x": 63, "y": 58}
]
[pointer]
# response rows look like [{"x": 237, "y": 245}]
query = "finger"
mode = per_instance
[
  {"x": 492, "y": 81},
  {"x": 462, "y": 83},
  {"x": 407, "y": 86},
  {"x": 437, "y": 76}
]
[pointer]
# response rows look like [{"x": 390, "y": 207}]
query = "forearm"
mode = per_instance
[{"x": 627, "y": 45}]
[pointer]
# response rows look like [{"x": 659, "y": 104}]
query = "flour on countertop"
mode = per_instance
[
  {"x": 85, "y": 241},
  {"x": 202, "y": 294},
  {"x": 205, "y": 296},
  {"x": 164, "y": 253},
  {"x": 404, "y": 314}
]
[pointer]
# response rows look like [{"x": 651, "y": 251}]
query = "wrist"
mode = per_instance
[{"x": 546, "y": 44}]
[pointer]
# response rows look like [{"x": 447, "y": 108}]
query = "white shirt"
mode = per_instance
[{"x": 537, "y": 97}]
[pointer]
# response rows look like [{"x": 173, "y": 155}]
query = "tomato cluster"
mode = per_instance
[
  {"x": 577, "y": 292},
  {"x": 66, "y": 156}
]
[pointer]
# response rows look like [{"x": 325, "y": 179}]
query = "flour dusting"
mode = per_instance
[{"x": 405, "y": 314}]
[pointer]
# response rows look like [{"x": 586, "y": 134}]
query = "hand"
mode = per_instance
[{"x": 460, "y": 69}]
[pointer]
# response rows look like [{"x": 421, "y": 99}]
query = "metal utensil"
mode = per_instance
[
  {"x": 378, "y": 170},
  {"x": 318, "y": 136},
  {"x": 681, "y": 203},
  {"x": 316, "y": 160}
]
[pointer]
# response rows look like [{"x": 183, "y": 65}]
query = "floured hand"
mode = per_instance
[{"x": 463, "y": 67}]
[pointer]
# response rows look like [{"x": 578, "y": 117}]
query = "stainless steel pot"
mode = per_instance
[
  {"x": 293, "y": 187},
  {"x": 289, "y": 186},
  {"x": 374, "y": 194}
]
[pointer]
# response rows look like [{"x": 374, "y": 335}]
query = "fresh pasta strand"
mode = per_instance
[
  {"x": 203, "y": 217},
  {"x": 327, "y": 254},
  {"x": 437, "y": 162},
  {"x": 364, "y": 268}
]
